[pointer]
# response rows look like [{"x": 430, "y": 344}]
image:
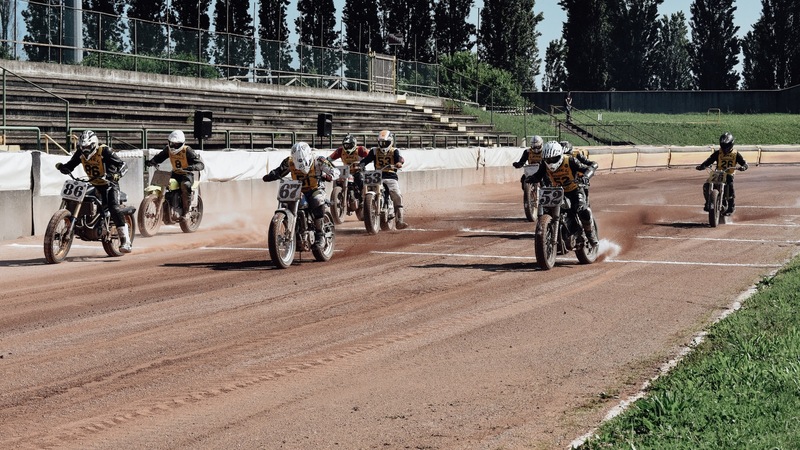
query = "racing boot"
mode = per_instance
[
  {"x": 319, "y": 236},
  {"x": 186, "y": 195},
  {"x": 124, "y": 239},
  {"x": 400, "y": 218},
  {"x": 731, "y": 206},
  {"x": 590, "y": 236},
  {"x": 705, "y": 196}
]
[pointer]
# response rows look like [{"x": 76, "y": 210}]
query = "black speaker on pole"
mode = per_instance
[
  {"x": 324, "y": 124},
  {"x": 202, "y": 124}
]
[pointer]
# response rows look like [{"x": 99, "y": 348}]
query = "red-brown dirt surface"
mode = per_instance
[{"x": 445, "y": 335}]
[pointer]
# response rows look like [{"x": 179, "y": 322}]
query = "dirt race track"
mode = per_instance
[{"x": 445, "y": 335}]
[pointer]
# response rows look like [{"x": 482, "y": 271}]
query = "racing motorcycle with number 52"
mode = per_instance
[{"x": 292, "y": 227}]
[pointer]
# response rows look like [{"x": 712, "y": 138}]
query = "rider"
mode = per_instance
[
  {"x": 569, "y": 150},
  {"x": 726, "y": 158},
  {"x": 531, "y": 156},
  {"x": 312, "y": 172},
  {"x": 185, "y": 162},
  {"x": 565, "y": 171},
  {"x": 104, "y": 169},
  {"x": 351, "y": 154},
  {"x": 387, "y": 159}
]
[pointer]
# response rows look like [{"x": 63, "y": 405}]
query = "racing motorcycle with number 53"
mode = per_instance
[
  {"x": 82, "y": 214},
  {"x": 559, "y": 231},
  {"x": 292, "y": 227}
]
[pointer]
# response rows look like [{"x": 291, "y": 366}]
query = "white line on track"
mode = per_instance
[
  {"x": 690, "y": 263},
  {"x": 515, "y": 233},
  {"x": 453, "y": 255},
  {"x": 675, "y": 238},
  {"x": 40, "y": 246},
  {"x": 701, "y": 206}
]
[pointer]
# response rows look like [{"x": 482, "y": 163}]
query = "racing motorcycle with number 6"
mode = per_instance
[
  {"x": 345, "y": 198},
  {"x": 292, "y": 227},
  {"x": 82, "y": 214},
  {"x": 559, "y": 231},
  {"x": 162, "y": 204}
]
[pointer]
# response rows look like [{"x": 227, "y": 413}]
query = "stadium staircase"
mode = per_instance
[{"x": 265, "y": 119}]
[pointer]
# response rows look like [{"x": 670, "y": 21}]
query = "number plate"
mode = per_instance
[
  {"x": 717, "y": 176},
  {"x": 74, "y": 190},
  {"x": 531, "y": 169},
  {"x": 289, "y": 191},
  {"x": 344, "y": 172},
  {"x": 550, "y": 197},
  {"x": 373, "y": 178}
]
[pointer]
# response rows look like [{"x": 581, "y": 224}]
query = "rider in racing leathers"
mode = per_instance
[
  {"x": 387, "y": 159},
  {"x": 726, "y": 159},
  {"x": 351, "y": 154}
]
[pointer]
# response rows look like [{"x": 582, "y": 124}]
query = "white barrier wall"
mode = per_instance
[{"x": 231, "y": 182}]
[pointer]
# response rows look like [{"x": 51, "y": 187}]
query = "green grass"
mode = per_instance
[
  {"x": 740, "y": 389},
  {"x": 658, "y": 129}
]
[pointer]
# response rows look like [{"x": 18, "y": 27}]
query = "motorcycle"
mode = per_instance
[
  {"x": 292, "y": 227},
  {"x": 345, "y": 198},
  {"x": 162, "y": 204},
  {"x": 82, "y": 214},
  {"x": 530, "y": 194},
  {"x": 378, "y": 204},
  {"x": 559, "y": 231},
  {"x": 718, "y": 197}
]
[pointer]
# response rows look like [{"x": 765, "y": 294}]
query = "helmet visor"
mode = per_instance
[
  {"x": 175, "y": 145},
  {"x": 553, "y": 160},
  {"x": 384, "y": 143}
]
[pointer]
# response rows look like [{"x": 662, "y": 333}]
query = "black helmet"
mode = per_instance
[
  {"x": 726, "y": 142},
  {"x": 349, "y": 143}
]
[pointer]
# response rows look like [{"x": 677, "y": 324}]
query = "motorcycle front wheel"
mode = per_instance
[
  {"x": 587, "y": 254},
  {"x": 111, "y": 246},
  {"x": 545, "y": 242},
  {"x": 714, "y": 207},
  {"x": 530, "y": 202},
  {"x": 329, "y": 231},
  {"x": 281, "y": 241},
  {"x": 372, "y": 213},
  {"x": 195, "y": 217},
  {"x": 150, "y": 215},
  {"x": 338, "y": 204},
  {"x": 57, "y": 238}
]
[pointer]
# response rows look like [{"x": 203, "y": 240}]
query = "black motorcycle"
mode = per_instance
[
  {"x": 292, "y": 227},
  {"x": 82, "y": 214},
  {"x": 345, "y": 197},
  {"x": 559, "y": 231}
]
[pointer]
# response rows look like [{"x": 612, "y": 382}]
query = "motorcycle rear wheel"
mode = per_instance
[
  {"x": 329, "y": 231},
  {"x": 587, "y": 254},
  {"x": 545, "y": 245},
  {"x": 57, "y": 239},
  {"x": 372, "y": 213},
  {"x": 530, "y": 202},
  {"x": 281, "y": 241},
  {"x": 714, "y": 207},
  {"x": 150, "y": 215},
  {"x": 112, "y": 246},
  {"x": 195, "y": 217},
  {"x": 338, "y": 205}
]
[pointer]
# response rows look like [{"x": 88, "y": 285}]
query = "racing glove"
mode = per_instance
[
  {"x": 700, "y": 167},
  {"x": 150, "y": 163},
  {"x": 743, "y": 167},
  {"x": 113, "y": 177},
  {"x": 269, "y": 177},
  {"x": 62, "y": 168},
  {"x": 517, "y": 164}
]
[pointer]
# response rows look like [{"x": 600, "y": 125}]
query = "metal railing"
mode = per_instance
[{"x": 52, "y": 94}]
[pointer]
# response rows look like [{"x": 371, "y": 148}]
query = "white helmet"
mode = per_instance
[
  {"x": 88, "y": 143},
  {"x": 536, "y": 144},
  {"x": 301, "y": 156},
  {"x": 385, "y": 140},
  {"x": 176, "y": 140},
  {"x": 552, "y": 155}
]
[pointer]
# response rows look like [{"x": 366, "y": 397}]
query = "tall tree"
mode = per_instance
[
  {"x": 507, "y": 39},
  {"x": 362, "y": 26},
  {"x": 148, "y": 32},
  {"x": 274, "y": 34},
  {"x": 794, "y": 53},
  {"x": 714, "y": 52},
  {"x": 586, "y": 33},
  {"x": 453, "y": 31},
  {"x": 410, "y": 21},
  {"x": 316, "y": 26},
  {"x": 234, "y": 44},
  {"x": 102, "y": 28},
  {"x": 671, "y": 65},
  {"x": 43, "y": 30},
  {"x": 634, "y": 30},
  {"x": 555, "y": 70},
  {"x": 769, "y": 46},
  {"x": 191, "y": 16}
]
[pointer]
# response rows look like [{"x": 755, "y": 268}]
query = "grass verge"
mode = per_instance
[{"x": 739, "y": 389}]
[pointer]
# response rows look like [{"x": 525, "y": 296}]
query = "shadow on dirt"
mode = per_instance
[
  {"x": 510, "y": 236},
  {"x": 684, "y": 225},
  {"x": 507, "y": 267},
  {"x": 238, "y": 265}
]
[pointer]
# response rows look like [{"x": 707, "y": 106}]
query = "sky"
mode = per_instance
[{"x": 747, "y": 12}]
